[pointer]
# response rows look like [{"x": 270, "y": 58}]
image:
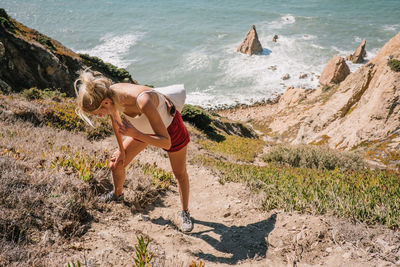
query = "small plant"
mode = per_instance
[
  {"x": 78, "y": 264},
  {"x": 394, "y": 65},
  {"x": 143, "y": 257},
  {"x": 326, "y": 88},
  {"x": 195, "y": 264},
  {"x": 161, "y": 177}
]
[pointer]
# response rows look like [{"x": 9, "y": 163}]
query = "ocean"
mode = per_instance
[{"x": 163, "y": 42}]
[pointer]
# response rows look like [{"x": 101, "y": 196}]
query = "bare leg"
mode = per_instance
[
  {"x": 132, "y": 148},
  {"x": 178, "y": 164}
]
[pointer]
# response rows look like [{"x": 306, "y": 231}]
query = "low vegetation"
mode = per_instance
[
  {"x": 236, "y": 147},
  {"x": 394, "y": 65},
  {"x": 34, "y": 93},
  {"x": 80, "y": 163},
  {"x": 308, "y": 156},
  {"x": 161, "y": 178},
  {"x": 108, "y": 69},
  {"x": 364, "y": 195}
]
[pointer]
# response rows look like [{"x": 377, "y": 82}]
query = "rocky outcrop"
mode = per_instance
[
  {"x": 251, "y": 45},
  {"x": 365, "y": 107},
  {"x": 359, "y": 54},
  {"x": 335, "y": 71},
  {"x": 31, "y": 59}
]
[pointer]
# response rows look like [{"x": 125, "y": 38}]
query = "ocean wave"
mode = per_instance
[
  {"x": 247, "y": 79},
  {"x": 195, "y": 60},
  {"x": 391, "y": 28},
  {"x": 113, "y": 48},
  {"x": 284, "y": 20}
]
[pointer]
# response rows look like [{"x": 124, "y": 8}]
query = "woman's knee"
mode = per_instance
[
  {"x": 180, "y": 176},
  {"x": 117, "y": 166}
]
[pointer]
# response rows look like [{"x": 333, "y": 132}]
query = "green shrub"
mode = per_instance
[
  {"x": 46, "y": 41},
  {"x": 117, "y": 74},
  {"x": 366, "y": 195},
  {"x": 35, "y": 93},
  {"x": 394, "y": 65},
  {"x": 326, "y": 88},
  {"x": 196, "y": 116},
  {"x": 5, "y": 21},
  {"x": 308, "y": 156},
  {"x": 201, "y": 120}
]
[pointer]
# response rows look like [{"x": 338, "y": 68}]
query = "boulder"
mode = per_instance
[
  {"x": 359, "y": 54},
  {"x": 335, "y": 71},
  {"x": 286, "y": 76},
  {"x": 251, "y": 45}
]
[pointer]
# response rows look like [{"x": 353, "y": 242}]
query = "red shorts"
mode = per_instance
[{"x": 178, "y": 133}]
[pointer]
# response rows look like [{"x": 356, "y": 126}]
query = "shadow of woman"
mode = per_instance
[{"x": 242, "y": 242}]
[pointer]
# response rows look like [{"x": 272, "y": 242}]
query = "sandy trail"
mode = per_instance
[{"x": 229, "y": 230}]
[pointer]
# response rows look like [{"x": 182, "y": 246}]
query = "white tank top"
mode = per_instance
[{"x": 142, "y": 123}]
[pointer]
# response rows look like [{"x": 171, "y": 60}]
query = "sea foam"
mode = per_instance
[{"x": 112, "y": 49}]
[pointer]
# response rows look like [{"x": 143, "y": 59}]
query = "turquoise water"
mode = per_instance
[{"x": 164, "y": 42}]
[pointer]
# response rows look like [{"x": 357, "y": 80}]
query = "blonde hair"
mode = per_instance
[{"x": 91, "y": 91}]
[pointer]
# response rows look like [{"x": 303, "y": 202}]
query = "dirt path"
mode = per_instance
[{"x": 229, "y": 230}]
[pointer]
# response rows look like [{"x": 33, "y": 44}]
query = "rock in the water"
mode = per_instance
[
  {"x": 359, "y": 54},
  {"x": 335, "y": 71},
  {"x": 286, "y": 76},
  {"x": 251, "y": 45},
  {"x": 303, "y": 76},
  {"x": 275, "y": 38}
]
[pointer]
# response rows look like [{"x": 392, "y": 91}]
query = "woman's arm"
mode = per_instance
[{"x": 161, "y": 137}]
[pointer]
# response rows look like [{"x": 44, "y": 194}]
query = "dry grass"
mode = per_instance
[{"x": 44, "y": 200}]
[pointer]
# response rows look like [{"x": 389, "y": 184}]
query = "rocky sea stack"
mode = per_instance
[
  {"x": 31, "y": 59},
  {"x": 251, "y": 45}
]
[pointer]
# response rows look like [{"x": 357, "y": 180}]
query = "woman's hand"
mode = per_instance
[
  {"x": 127, "y": 129},
  {"x": 118, "y": 156}
]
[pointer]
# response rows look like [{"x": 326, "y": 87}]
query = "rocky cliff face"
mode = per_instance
[
  {"x": 31, "y": 59},
  {"x": 365, "y": 106}
]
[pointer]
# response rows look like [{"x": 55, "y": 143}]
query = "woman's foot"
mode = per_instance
[
  {"x": 186, "y": 224},
  {"x": 110, "y": 196}
]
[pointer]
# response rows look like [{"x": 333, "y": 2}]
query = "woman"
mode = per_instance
[{"x": 149, "y": 118}]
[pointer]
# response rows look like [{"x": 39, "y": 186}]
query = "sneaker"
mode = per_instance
[
  {"x": 187, "y": 224},
  {"x": 110, "y": 196}
]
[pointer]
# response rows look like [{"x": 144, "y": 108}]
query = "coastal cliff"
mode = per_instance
[
  {"x": 360, "y": 112},
  {"x": 31, "y": 59},
  {"x": 295, "y": 205}
]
